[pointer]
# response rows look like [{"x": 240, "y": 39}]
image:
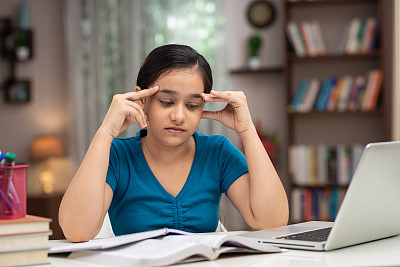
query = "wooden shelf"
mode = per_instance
[
  {"x": 260, "y": 70},
  {"x": 327, "y": 186},
  {"x": 336, "y": 113},
  {"x": 372, "y": 55},
  {"x": 324, "y": 2}
]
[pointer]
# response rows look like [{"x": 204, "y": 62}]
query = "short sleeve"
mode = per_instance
[
  {"x": 232, "y": 164},
  {"x": 112, "y": 172}
]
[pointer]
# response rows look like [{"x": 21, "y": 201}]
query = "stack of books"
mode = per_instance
[{"x": 24, "y": 241}]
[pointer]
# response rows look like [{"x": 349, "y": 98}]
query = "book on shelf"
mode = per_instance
[
  {"x": 300, "y": 94},
  {"x": 370, "y": 28},
  {"x": 342, "y": 93},
  {"x": 325, "y": 94},
  {"x": 306, "y": 38},
  {"x": 321, "y": 204},
  {"x": 319, "y": 39},
  {"x": 321, "y": 165},
  {"x": 306, "y": 105},
  {"x": 172, "y": 246},
  {"x": 360, "y": 36},
  {"x": 333, "y": 98},
  {"x": 295, "y": 38},
  {"x": 343, "y": 38},
  {"x": 355, "y": 96},
  {"x": 373, "y": 87},
  {"x": 309, "y": 39}
]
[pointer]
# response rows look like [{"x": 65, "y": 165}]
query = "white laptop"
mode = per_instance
[{"x": 370, "y": 209}]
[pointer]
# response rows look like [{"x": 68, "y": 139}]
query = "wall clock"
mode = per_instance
[{"x": 261, "y": 13}]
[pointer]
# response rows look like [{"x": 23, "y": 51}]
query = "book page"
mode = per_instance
[
  {"x": 152, "y": 252},
  {"x": 215, "y": 241},
  {"x": 60, "y": 246}
]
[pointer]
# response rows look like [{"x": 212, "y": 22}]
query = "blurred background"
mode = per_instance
[{"x": 319, "y": 77}]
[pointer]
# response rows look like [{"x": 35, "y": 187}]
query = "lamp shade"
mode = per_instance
[{"x": 46, "y": 146}]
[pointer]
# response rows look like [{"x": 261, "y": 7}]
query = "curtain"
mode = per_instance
[{"x": 107, "y": 40}]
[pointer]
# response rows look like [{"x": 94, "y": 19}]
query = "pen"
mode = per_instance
[
  {"x": 11, "y": 193},
  {"x": 3, "y": 196},
  {"x": 10, "y": 161}
]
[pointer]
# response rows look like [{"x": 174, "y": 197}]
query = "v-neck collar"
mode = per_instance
[{"x": 189, "y": 179}]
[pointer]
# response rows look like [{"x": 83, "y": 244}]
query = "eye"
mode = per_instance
[
  {"x": 193, "y": 106},
  {"x": 166, "y": 103}
]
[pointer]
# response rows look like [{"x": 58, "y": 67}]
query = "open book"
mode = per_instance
[
  {"x": 172, "y": 249},
  {"x": 62, "y": 246},
  {"x": 171, "y": 246}
]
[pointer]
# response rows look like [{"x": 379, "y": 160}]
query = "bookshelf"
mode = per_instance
[{"x": 326, "y": 143}]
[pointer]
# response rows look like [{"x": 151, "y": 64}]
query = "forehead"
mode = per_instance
[{"x": 184, "y": 82}]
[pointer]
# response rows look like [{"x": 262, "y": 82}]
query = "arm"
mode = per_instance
[
  {"x": 88, "y": 196},
  {"x": 258, "y": 195}
]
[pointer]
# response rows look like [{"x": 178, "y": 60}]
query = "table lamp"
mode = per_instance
[{"x": 43, "y": 148}]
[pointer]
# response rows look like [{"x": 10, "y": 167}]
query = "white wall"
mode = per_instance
[
  {"x": 47, "y": 112},
  {"x": 264, "y": 91}
]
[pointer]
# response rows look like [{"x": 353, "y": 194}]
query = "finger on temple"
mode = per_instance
[
  {"x": 214, "y": 99},
  {"x": 142, "y": 93}
]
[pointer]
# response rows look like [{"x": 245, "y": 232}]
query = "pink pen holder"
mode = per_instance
[{"x": 12, "y": 191}]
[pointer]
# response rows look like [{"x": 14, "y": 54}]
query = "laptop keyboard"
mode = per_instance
[{"x": 318, "y": 235}]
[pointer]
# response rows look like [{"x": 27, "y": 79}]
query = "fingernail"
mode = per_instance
[{"x": 156, "y": 87}]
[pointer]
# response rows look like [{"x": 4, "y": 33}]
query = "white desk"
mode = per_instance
[{"x": 384, "y": 252}]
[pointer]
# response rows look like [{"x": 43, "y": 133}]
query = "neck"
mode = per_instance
[{"x": 160, "y": 153}]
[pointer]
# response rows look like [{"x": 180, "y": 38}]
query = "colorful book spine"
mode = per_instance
[{"x": 315, "y": 204}]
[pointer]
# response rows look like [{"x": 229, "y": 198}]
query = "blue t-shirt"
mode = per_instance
[{"x": 140, "y": 203}]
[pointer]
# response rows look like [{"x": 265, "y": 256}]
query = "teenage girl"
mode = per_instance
[{"x": 169, "y": 175}]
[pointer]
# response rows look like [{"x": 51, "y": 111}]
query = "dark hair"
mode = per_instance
[{"x": 173, "y": 57}]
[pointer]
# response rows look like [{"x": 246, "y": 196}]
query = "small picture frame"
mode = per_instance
[{"x": 17, "y": 91}]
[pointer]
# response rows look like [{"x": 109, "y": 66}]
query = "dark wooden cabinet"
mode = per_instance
[{"x": 46, "y": 206}]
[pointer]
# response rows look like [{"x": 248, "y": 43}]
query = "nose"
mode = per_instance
[{"x": 177, "y": 114}]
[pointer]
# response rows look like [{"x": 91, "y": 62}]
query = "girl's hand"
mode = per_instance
[
  {"x": 125, "y": 111},
  {"x": 235, "y": 115}
]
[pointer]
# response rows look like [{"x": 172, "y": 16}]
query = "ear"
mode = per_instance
[{"x": 140, "y": 101}]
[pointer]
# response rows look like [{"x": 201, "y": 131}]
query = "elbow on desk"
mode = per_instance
[
  {"x": 76, "y": 231},
  {"x": 273, "y": 221},
  {"x": 269, "y": 224}
]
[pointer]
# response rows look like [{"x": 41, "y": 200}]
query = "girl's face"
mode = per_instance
[{"x": 174, "y": 112}]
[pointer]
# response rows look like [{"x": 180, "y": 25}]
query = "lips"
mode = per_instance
[{"x": 175, "y": 130}]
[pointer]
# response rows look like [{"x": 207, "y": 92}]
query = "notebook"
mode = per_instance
[{"x": 370, "y": 209}]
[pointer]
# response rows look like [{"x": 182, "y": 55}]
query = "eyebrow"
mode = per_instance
[{"x": 172, "y": 92}]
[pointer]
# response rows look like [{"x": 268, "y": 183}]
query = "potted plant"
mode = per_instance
[{"x": 255, "y": 43}]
